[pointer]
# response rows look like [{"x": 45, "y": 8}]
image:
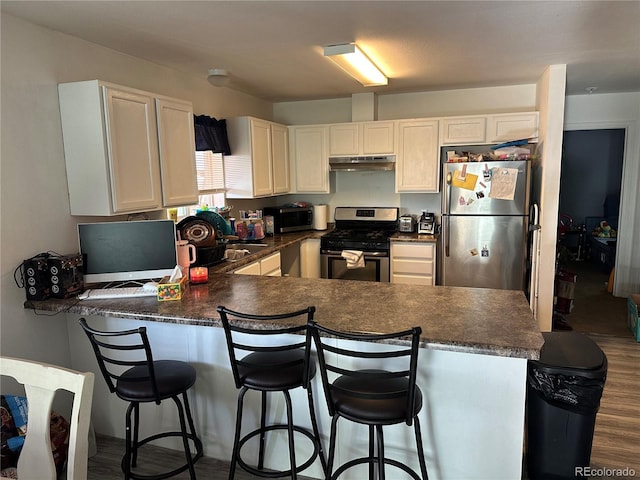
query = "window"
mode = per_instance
[{"x": 210, "y": 171}]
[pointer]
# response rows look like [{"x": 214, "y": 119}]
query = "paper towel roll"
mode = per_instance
[{"x": 320, "y": 217}]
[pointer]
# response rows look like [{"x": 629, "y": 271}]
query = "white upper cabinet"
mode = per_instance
[
  {"x": 507, "y": 127},
  {"x": 177, "y": 152},
  {"x": 280, "y": 152},
  {"x": 463, "y": 130},
  {"x": 488, "y": 128},
  {"x": 418, "y": 162},
  {"x": 112, "y": 149},
  {"x": 258, "y": 158},
  {"x": 308, "y": 147},
  {"x": 361, "y": 138}
]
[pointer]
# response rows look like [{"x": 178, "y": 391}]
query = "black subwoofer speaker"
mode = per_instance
[
  {"x": 66, "y": 275},
  {"x": 36, "y": 278}
]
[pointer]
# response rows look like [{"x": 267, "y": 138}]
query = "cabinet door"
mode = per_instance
[
  {"x": 270, "y": 266},
  {"x": 310, "y": 258},
  {"x": 280, "y": 158},
  {"x": 251, "y": 269},
  {"x": 309, "y": 158},
  {"x": 261, "y": 159},
  {"x": 132, "y": 143},
  {"x": 417, "y": 165},
  {"x": 504, "y": 128},
  {"x": 344, "y": 139},
  {"x": 463, "y": 130},
  {"x": 413, "y": 263},
  {"x": 378, "y": 138},
  {"x": 177, "y": 152}
]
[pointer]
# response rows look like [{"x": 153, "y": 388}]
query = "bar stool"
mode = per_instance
[
  {"x": 135, "y": 377},
  {"x": 369, "y": 395},
  {"x": 279, "y": 366}
]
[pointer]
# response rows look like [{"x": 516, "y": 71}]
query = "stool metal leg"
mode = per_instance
[
  {"x": 236, "y": 441},
  {"x": 371, "y": 452},
  {"x": 423, "y": 464},
  {"x": 185, "y": 438},
  {"x": 126, "y": 460},
  {"x": 316, "y": 431},
  {"x": 380, "y": 452},
  {"x": 332, "y": 446},
  {"x": 292, "y": 447},
  {"x": 192, "y": 428},
  {"x": 263, "y": 423},
  {"x": 136, "y": 429}
]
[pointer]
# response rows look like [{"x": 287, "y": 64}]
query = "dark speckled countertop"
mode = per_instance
[{"x": 470, "y": 320}]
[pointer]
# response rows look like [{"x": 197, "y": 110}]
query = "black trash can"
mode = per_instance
[{"x": 564, "y": 389}]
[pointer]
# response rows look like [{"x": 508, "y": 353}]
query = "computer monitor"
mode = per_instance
[{"x": 123, "y": 251}]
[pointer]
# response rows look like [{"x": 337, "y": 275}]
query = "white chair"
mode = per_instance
[{"x": 40, "y": 382}]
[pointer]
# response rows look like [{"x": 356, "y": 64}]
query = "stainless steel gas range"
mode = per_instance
[{"x": 359, "y": 231}]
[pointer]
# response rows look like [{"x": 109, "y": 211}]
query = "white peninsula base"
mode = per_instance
[{"x": 472, "y": 419}]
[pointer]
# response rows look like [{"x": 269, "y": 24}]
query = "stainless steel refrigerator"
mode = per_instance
[{"x": 485, "y": 217}]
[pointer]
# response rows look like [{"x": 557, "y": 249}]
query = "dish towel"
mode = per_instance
[{"x": 354, "y": 258}]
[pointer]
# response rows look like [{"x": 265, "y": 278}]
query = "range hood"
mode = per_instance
[{"x": 362, "y": 163}]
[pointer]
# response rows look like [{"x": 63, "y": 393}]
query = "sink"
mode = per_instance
[
  {"x": 252, "y": 247},
  {"x": 236, "y": 251}
]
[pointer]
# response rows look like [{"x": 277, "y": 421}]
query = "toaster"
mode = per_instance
[{"x": 407, "y": 224}]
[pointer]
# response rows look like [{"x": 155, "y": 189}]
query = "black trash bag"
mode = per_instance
[{"x": 575, "y": 393}]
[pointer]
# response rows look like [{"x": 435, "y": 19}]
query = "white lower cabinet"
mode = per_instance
[
  {"x": 268, "y": 266},
  {"x": 310, "y": 258},
  {"x": 413, "y": 263}
]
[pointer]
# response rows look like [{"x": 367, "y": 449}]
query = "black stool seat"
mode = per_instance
[
  {"x": 280, "y": 366},
  {"x": 369, "y": 395},
  {"x": 353, "y": 399},
  {"x": 274, "y": 370},
  {"x": 138, "y": 378},
  {"x": 172, "y": 376}
]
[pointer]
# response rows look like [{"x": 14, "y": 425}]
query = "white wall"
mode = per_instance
[
  {"x": 34, "y": 201},
  {"x": 621, "y": 110},
  {"x": 550, "y": 103}
]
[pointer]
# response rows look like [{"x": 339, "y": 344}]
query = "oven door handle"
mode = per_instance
[{"x": 365, "y": 254}]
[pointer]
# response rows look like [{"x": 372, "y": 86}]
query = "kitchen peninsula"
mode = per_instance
[{"x": 472, "y": 371}]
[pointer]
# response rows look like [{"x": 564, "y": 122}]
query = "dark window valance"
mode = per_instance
[{"x": 211, "y": 134}]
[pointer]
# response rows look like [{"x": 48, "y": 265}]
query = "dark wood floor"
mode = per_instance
[{"x": 105, "y": 465}]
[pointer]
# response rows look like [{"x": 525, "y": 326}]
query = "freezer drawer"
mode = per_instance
[{"x": 484, "y": 252}]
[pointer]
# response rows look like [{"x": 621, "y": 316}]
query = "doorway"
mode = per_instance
[{"x": 589, "y": 203}]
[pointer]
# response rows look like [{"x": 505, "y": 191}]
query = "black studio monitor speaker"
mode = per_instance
[
  {"x": 66, "y": 275},
  {"x": 36, "y": 278}
]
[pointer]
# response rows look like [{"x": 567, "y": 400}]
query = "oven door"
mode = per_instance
[{"x": 376, "y": 267}]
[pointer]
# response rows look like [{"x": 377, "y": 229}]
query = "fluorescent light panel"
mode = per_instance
[{"x": 353, "y": 61}]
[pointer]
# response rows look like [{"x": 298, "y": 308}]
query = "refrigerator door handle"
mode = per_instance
[
  {"x": 447, "y": 197},
  {"x": 447, "y": 219},
  {"x": 447, "y": 202}
]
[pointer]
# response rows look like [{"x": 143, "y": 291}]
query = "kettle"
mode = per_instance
[{"x": 407, "y": 224}]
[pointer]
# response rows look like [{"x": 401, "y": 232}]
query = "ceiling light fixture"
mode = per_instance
[
  {"x": 353, "y": 61},
  {"x": 219, "y": 77},
  {"x": 591, "y": 89}
]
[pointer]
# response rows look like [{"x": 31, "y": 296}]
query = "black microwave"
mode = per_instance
[{"x": 290, "y": 219}]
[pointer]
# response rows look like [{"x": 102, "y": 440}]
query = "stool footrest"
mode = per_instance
[
  {"x": 161, "y": 476},
  {"x": 277, "y": 473},
  {"x": 374, "y": 460}
]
